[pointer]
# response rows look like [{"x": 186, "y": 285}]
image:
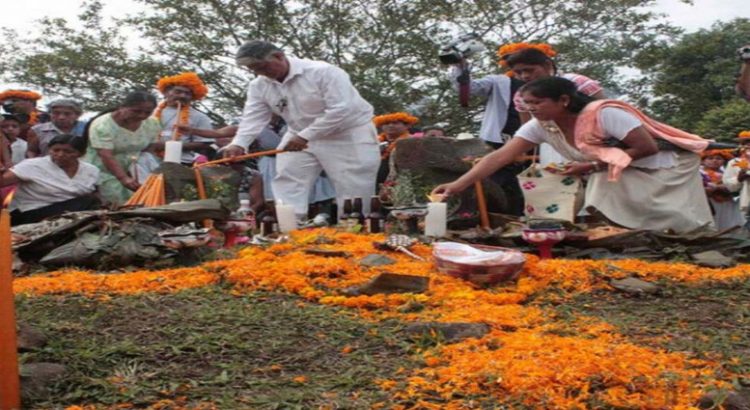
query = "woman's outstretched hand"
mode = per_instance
[{"x": 446, "y": 190}]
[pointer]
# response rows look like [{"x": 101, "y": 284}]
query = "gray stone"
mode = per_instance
[
  {"x": 725, "y": 400},
  {"x": 713, "y": 259},
  {"x": 431, "y": 161},
  {"x": 29, "y": 338},
  {"x": 451, "y": 332},
  {"x": 326, "y": 253},
  {"x": 376, "y": 259},
  {"x": 635, "y": 286},
  {"x": 37, "y": 377},
  {"x": 387, "y": 283}
]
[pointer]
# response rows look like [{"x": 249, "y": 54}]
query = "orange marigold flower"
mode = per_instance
[
  {"x": 509, "y": 49},
  {"x": 188, "y": 79},
  {"x": 20, "y": 94},
  {"x": 406, "y": 118}
]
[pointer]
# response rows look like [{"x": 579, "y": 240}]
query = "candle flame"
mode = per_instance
[
  {"x": 436, "y": 197},
  {"x": 8, "y": 199}
]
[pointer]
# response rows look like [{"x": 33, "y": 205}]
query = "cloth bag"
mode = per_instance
[{"x": 550, "y": 196}]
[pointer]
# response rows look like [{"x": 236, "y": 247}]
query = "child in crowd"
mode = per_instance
[
  {"x": 725, "y": 209},
  {"x": 11, "y": 127}
]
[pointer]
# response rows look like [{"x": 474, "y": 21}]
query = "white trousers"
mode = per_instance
[
  {"x": 350, "y": 159},
  {"x": 322, "y": 189}
]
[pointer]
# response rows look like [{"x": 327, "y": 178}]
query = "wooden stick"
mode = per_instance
[
  {"x": 484, "y": 217},
  {"x": 240, "y": 157},
  {"x": 207, "y": 223},
  {"x": 10, "y": 392}
]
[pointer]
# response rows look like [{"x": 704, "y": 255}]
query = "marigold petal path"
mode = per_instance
[{"x": 523, "y": 360}]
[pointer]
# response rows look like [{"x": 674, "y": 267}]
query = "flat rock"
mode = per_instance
[
  {"x": 387, "y": 283},
  {"x": 29, "y": 338},
  {"x": 451, "y": 332},
  {"x": 635, "y": 286},
  {"x": 727, "y": 401},
  {"x": 37, "y": 377},
  {"x": 713, "y": 259},
  {"x": 326, "y": 253},
  {"x": 376, "y": 259}
]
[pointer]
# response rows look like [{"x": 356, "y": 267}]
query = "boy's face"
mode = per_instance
[
  {"x": 713, "y": 161},
  {"x": 10, "y": 128}
]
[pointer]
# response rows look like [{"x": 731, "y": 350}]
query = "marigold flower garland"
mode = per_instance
[
  {"x": 505, "y": 51},
  {"x": 190, "y": 80},
  {"x": 20, "y": 94},
  {"x": 523, "y": 358},
  {"x": 406, "y": 118}
]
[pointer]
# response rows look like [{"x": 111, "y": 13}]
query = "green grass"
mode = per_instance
[
  {"x": 237, "y": 352},
  {"x": 708, "y": 321}
]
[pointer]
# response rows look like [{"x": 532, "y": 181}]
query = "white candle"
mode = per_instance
[
  {"x": 285, "y": 216},
  {"x": 173, "y": 151},
  {"x": 436, "y": 220}
]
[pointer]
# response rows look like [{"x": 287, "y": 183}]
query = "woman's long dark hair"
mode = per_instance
[
  {"x": 530, "y": 56},
  {"x": 133, "y": 98},
  {"x": 554, "y": 88}
]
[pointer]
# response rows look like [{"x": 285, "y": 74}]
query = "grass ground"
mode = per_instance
[
  {"x": 264, "y": 351},
  {"x": 711, "y": 321},
  {"x": 272, "y": 351}
]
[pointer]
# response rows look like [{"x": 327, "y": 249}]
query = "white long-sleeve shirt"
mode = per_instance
[
  {"x": 316, "y": 99},
  {"x": 496, "y": 88},
  {"x": 732, "y": 181}
]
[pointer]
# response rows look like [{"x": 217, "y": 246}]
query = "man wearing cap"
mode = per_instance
[
  {"x": 64, "y": 114},
  {"x": 180, "y": 91},
  {"x": 329, "y": 125}
]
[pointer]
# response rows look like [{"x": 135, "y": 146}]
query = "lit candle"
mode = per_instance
[
  {"x": 285, "y": 216},
  {"x": 173, "y": 151},
  {"x": 436, "y": 219},
  {"x": 10, "y": 393}
]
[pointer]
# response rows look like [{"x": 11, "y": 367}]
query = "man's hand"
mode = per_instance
[
  {"x": 233, "y": 151},
  {"x": 297, "y": 143}
]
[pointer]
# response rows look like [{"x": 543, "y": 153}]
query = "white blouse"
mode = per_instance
[
  {"x": 615, "y": 122},
  {"x": 44, "y": 183}
]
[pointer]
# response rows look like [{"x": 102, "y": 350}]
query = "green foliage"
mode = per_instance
[
  {"x": 389, "y": 47},
  {"x": 693, "y": 75},
  {"x": 726, "y": 121}
]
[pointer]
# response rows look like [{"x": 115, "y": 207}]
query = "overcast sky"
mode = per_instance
[{"x": 20, "y": 15}]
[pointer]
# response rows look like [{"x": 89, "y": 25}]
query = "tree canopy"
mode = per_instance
[
  {"x": 696, "y": 74},
  {"x": 389, "y": 47}
]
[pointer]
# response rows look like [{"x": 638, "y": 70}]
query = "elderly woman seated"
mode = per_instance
[{"x": 53, "y": 184}]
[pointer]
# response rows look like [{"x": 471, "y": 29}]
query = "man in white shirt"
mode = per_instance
[{"x": 329, "y": 125}]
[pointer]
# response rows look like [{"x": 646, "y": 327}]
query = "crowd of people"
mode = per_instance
[{"x": 638, "y": 173}]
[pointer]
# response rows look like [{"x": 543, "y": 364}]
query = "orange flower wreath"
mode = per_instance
[{"x": 189, "y": 80}]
